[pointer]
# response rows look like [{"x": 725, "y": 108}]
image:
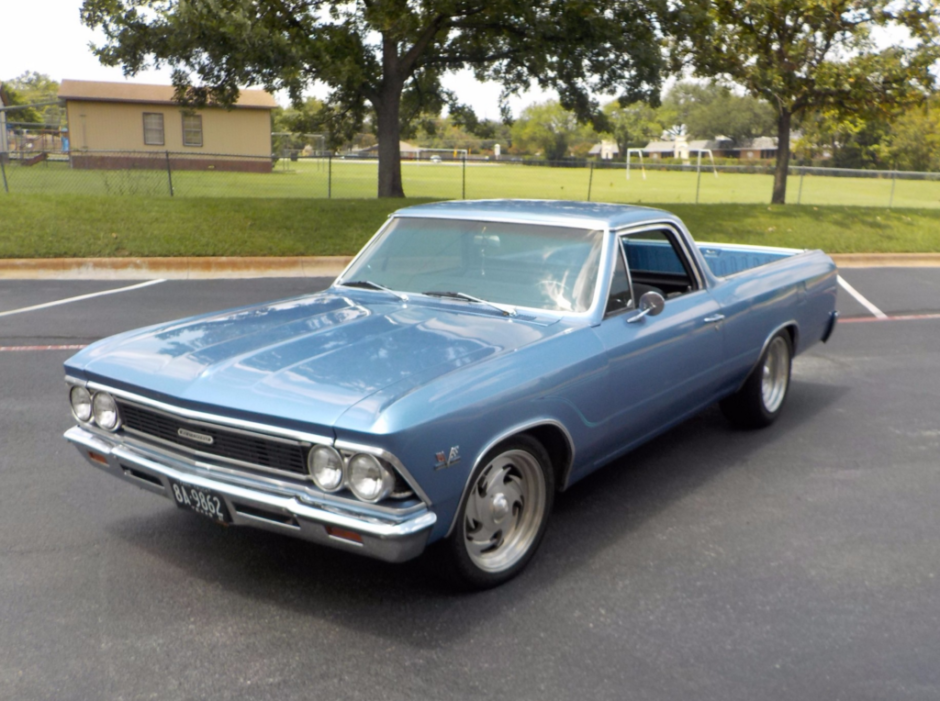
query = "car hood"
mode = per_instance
[{"x": 303, "y": 360}]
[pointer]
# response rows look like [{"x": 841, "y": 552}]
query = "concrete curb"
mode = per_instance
[
  {"x": 300, "y": 266},
  {"x": 887, "y": 260},
  {"x": 171, "y": 268}
]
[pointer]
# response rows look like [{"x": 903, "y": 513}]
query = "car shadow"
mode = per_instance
[{"x": 411, "y": 602}]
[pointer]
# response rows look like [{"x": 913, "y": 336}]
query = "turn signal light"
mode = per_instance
[{"x": 343, "y": 534}]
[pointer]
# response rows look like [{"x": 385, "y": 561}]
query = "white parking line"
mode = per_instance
[
  {"x": 80, "y": 297},
  {"x": 860, "y": 299}
]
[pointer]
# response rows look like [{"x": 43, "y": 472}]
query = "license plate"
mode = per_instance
[{"x": 202, "y": 501}]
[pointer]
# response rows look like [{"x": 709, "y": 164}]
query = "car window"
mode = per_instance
[
  {"x": 656, "y": 264},
  {"x": 619, "y": 297},
  {"x": 526, "y": 265}
]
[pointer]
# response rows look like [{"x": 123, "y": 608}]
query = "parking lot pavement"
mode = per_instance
[{"x": 797, "y": 562}]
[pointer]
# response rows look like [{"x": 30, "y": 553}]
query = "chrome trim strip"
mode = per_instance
[
  {"x": 519, "y": 428},
  {"x": 75, "y": 381},
  {"x": 395, "y": 462},
  {"x": 213, "y": 418}
]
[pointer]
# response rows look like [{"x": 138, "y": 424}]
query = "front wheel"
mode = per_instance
[
  {"x": 760, "y": 400},
  {"x": 504, "y": 515}
]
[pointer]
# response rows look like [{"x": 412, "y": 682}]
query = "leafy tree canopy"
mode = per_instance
[
  {"x": 549, "y": 129},
  {"x": 386, "y": 57},
  {"x": 32, "y": 88},
  {"x": 710, "y": 109},
  {"x": 805, "y": 55}
]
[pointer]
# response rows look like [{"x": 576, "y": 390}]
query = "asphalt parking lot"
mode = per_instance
[{"x": 797, "y": 562}]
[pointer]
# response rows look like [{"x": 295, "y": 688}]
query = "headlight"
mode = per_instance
[
  {"x": 369, "y": 479},
  {"x": 325, "y": 466},
  {"x": 106, "y": 412},
  {"x": 80, "y": 398}
]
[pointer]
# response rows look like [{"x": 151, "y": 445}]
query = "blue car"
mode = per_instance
[{"x": 475, "y": 359}]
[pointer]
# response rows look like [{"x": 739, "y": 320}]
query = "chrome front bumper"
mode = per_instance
[{"x": 383, "y": 536}]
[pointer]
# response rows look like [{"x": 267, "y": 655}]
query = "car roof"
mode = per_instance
[{"x": 557, "y": 212}]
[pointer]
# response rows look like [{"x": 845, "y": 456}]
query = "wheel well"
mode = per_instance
[
  {"x": 556, "y": 444},
  {"x": 794, "y": 335}
]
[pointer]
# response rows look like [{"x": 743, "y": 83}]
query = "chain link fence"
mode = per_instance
[{"x": 168, "y": 174}]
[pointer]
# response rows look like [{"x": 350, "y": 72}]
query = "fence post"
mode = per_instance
[
  {"x": 894, "y": 179},
  {"x": 3, "y": 169},
  {"x": 463, "y": 184},
  {"x": 698, "y": 176},
  {"x": 169, "y": 174},
  {"x": 329, "y": 177},
  {"x": 590, "y": 181},
  {"x": 799, "y": 195}
]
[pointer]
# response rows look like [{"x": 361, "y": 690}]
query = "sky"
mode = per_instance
[{"x": 55, "y": 42}]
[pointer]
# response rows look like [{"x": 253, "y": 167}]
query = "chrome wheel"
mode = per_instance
[
  {"x": 505, "y": 510},
  {"x": 775, "y": 374}
]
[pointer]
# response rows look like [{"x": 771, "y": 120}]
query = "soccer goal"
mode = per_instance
[
  {"x": 639, "y": 152},
  {"x": 437, "y": 155}
]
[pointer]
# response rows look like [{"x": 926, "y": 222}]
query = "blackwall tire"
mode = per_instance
[{"x": 760, "y": 400}]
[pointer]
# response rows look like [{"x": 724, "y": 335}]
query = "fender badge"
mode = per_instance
[{"x": 447, "y": 459}]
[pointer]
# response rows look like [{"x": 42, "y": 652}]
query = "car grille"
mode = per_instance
[{"x": 254, "y": 450}]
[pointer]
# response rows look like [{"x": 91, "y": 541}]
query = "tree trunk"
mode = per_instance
[
  {"x": 389, "y": 128},
  {"x": 783, "y": 157},
  {"x": 388, "y": 114}
]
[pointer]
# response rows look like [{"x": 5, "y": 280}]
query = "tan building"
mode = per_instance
[{"x": 125, "y": 125}]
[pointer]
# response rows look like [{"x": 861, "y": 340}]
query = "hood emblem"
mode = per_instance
[
  {"x": 193, "y": 436},
  {"x": 447, "y": 459}
]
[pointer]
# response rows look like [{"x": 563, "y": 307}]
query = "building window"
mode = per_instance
[
  {"x": 192, "y": 130},
  {"x": 153, "y": 129}
]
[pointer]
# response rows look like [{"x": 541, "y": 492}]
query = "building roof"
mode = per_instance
[
  {"x": 660, "y": 147},
  {"x": 95, "y": 91},
  {"x": 760, "y": 143}
]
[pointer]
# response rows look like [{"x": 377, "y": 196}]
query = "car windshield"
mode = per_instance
[{"x": 525, "y": 265}]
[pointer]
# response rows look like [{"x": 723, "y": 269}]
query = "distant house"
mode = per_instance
[
  {"x": 407, "y": 150},
  {"x": 660, "y": 149},
  {"x": 606, "y": 150},
  {"x": 124, "y": 125},
  {"x": 757, "y": 148}
]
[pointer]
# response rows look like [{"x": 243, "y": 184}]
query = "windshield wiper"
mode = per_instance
[
  {"x": 504, "y": 308},
  {"x": 369, "y": 285}
]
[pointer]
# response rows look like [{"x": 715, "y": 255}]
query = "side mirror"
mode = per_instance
[{"x": 651, "y": 304}]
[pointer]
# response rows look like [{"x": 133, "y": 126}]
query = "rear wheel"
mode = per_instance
[
  {"x": 760, "y": 400},
  {"x": 504, "y": 515}
]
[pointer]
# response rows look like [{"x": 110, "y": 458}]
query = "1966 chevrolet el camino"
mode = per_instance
[{"x": 473, "y": 360}]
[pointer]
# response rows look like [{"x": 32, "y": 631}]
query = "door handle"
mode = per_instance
[{"x": 713, "y": 318}]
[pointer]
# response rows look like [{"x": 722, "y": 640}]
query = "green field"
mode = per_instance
[
  {"x": 357, "y": 179},
  {"x": 47, "y": 226}
]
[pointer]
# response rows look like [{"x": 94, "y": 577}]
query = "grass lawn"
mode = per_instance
[
  {"x": 357, "y": 179},
  {"x": 44, "y": 226}
]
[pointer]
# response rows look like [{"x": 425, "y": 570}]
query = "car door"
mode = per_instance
[{"x": 660, "y": 368}]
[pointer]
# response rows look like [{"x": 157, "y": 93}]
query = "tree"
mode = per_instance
[
  {"x": 805, "y": 55},
  {"x": 387, "y": 55},
  {"x": 914, "y": 139},
  {"x": 711, "y": 109},
  {"x": 32, "y": 88},
  {"x": 632, "y": 124},
  {"x": 550, "y": 129}
]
